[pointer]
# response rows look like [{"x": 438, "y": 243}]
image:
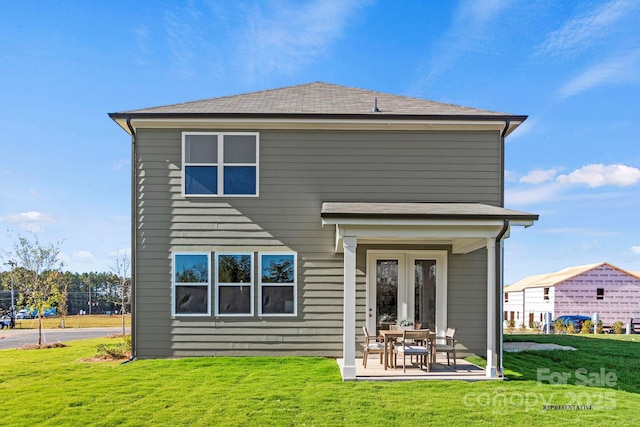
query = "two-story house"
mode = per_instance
[{"x": 280, "y": 222}]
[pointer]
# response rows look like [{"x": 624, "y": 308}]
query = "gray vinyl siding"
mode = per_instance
[
  {"x": 467, "y": 301},
  {"x": 298, "y": 171}
]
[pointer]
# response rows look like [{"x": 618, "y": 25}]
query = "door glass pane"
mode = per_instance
[
  {"x": 386, "y": 293},
  {"x": 425, "y": 293}
]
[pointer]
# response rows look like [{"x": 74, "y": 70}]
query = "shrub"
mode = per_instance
[
  {"x": 119, "y": 350},
  {"x": 570, "y": 328},
  {"x": 618, "y": 327},
  {"x": 586, "y": 327},
  {"x": 535, "y": 325},
  {"x": 599, "y": 327},
  {"x": 559, "y": 326},
  {"x": 511, "y": 324}
]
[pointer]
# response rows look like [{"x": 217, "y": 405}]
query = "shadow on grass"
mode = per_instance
[{"x": 601, "y": 361}]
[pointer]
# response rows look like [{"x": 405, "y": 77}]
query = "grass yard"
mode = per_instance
[
  {"x": 53, "y": 387},
  {"x": 86, "y": 321}
]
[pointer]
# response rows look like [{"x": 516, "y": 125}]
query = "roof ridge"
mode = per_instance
[
  {"x": 327, "y": 98},
  {"x": 562, "y": 275}
]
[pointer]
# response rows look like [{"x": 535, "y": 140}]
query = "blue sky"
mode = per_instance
[{"x": 572, "y": 66}]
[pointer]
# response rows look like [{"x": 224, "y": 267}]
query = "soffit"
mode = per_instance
[{"x": 464, "y": 226}]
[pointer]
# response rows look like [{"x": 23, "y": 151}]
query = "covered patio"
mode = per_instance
[
  {"x": 462, "y": 227},
  {"x": 464, "y": 371}
]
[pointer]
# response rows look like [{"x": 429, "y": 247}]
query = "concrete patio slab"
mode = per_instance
[
  {"x": 516, "y": 347},
  {"x": 464, "y": 371}
]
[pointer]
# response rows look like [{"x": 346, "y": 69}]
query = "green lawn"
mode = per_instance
[
  {"x": 86, "y": 321},
  {"x": 53, "y": 387}
]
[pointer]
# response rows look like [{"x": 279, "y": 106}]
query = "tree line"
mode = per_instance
[
  {"x": 82, "y": 293},
  {"x": 39, "y": 284}
]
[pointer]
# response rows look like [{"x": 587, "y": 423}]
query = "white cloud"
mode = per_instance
[
  {"x": 472, "y": 28},
  {"x": 120, "y": 164},
  {"x": 287, "y": 36},
  {"x": 580, "y": 33},
  {"x": 30, "y": 221},
  {"x": 619, "y": 69},
  {"x": 183, "y": 37},
  {"x": 598, "y": 175},
  {"x": 83, "y": 257},
  {"x": 545, "y": 186},
  {"x": 529, "y": 196},
  {"x": 539, "y": 176},
  {"x": 510, "y": 176},
  {"x": 119, "y": 253},
  {"x": 635, "y": 249}
]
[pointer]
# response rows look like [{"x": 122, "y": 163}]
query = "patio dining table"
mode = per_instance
[{"x": 391, "y": 334}]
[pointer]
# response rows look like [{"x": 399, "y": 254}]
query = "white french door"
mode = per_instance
[{"x": 407, "y": 285}]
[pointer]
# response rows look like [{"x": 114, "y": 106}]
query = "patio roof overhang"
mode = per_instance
[
  {"x": 466, "y": 227},
  {"x": 463, "y": 226}
]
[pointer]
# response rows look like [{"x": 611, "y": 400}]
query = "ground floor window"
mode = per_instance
[
  {"x": 233, "y": 279},
  {"x": 191, "y": 284},
  {"x": 277, "y": 284},
  {"x": 234, "y": 284}
]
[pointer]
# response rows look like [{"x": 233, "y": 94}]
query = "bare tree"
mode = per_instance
[
  {"x": 39, "y": 276},
  {"x": 120, "y": 268}
]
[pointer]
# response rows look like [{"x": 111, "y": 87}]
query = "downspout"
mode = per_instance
[
  {"x": 134, "y": 215},
  {"x": 499, "y": 259},
  {"x": 500, "y": 295},
  {"x": 502, "y": 137}
]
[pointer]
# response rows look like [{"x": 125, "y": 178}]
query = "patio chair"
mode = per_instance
[
  {"x": 371, "y": 345},
  {"x": 408, "y": 346},
  {"x": 448, "y": 345}
]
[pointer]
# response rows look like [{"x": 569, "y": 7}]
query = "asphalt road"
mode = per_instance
[{"x": 14, "y": 338}]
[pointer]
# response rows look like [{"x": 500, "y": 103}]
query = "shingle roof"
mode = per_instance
[
  {"x": 552, "y": 279},
  {"x": 422, "y": 210},
  {"x": 316, "y": 98}
]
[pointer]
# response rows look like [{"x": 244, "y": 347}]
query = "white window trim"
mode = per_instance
[
  {"x": 250, "y": 284},
  {"x": 174, "y": 284},
  {"x": 294, "y": 285},
  {"x": 220, "y": 164}
]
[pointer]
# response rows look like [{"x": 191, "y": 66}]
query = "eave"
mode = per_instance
[{"x": 317, "y": 121}]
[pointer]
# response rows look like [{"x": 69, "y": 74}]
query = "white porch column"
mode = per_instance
[
  {"x": 349, "y": 323},
  {"x": 492, "y": 344}
]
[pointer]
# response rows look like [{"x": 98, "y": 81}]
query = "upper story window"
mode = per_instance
[
  {"x": 506, "y": 297},
  {"x": 546, "y": 293},
  {"x": 220, "y": 164},
  {"x": 600, "y": 293}
]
